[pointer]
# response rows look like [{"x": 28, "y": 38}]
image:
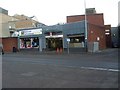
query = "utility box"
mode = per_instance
[{"x": 93, "y": 46}]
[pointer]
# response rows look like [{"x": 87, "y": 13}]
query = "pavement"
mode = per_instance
[{"x": 35, "y": 51}]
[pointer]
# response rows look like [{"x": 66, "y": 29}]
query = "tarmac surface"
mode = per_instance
[{"x": 52, "y": 70}]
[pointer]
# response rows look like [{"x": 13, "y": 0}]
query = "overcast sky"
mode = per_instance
[{"x": 51, "y": 12}]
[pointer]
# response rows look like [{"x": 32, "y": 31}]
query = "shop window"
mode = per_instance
[{"x": 76, "y": 39}]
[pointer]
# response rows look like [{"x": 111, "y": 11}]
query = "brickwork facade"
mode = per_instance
[
  {"x": 9, "y": 43},
  {"x": 108, "y": 36},
  {"x": 96, "y": 19},
  {"x": 96, "y": 28},
  {"x": 96, "y": 32}
]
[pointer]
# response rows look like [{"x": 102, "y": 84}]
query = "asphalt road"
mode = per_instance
[{"x": 85, "y": 70}]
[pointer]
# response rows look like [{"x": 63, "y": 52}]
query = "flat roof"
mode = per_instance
[{"x": 86, "y": 14}]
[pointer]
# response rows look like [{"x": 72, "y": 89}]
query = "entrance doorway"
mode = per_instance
[{"x": 54, "y": 43}]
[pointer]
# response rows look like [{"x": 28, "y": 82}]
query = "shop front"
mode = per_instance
[
  {"x": 57, "y": 35},
  {"x": 54, "y": 40},
  {"x": 29, "y": 42},
  {"x": 53, "y": 37},
  {"x": 30, "y": 38},
  {"x": 77, "y": 40}
]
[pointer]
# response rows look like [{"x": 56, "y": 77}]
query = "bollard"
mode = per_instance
[
  {"x": 61, "y": 50},
  {"x": 57, "y": 50}
]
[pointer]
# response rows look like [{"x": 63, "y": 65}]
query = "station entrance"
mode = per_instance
[
  {"x": 54, "y": 40},
  {"x": 54, "y": 43}
]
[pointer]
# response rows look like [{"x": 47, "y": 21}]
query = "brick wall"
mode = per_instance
[
  {"x": 91, "y": 18},
  {"x": 108, "y": 36},
  {"x": 9, "y": 43},
  {"x": 96, "y": 31},
  {"x": 24, "y": 24},
  {"x": 96, "y": 27}
]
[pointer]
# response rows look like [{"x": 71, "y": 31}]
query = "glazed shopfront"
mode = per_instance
[
  {"x": 30, "y": 38},
  {"x": 53, "y": 37},
  {"x": 57, "y": 35}
]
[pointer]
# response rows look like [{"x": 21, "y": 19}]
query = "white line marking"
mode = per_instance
[
  {"x": 102, "y": 69},
  {"x": 114, "y": 70}
]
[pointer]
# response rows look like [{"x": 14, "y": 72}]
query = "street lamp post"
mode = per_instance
[{"x": 86, "y": 32}]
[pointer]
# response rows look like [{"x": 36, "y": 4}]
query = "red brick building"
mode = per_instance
[
  {"x": 96, "y": 27},
  {"x": 8, "y": 43},
  {"x": 108, "y": 36}
]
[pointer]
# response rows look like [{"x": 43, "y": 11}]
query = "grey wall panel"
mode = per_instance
[{"x": 64, "y": 41}]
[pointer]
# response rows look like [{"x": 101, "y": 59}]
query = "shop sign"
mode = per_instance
[
  {"x": 68, "y": 39},
  {"x": 30, "y": 32}
]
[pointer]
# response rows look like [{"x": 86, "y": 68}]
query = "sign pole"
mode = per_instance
[
  {"x": 68, "y": 48},
  {"x": 68, "y": 40}
]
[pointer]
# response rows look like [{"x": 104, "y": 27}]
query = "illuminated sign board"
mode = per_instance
[{"x": 30, "y": 32}]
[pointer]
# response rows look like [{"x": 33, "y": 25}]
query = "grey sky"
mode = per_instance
[{"x": 52, "y": 12}]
